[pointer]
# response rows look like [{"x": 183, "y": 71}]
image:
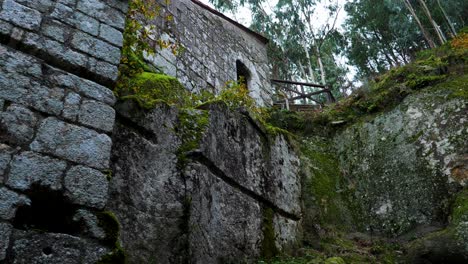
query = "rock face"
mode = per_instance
[
  {"x": 406, "y": 164},
  {"x": 57, "y": 62},
  {"x": 209, "y": 204}
]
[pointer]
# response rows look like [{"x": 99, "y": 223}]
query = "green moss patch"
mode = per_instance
[
  {"x": 148, "y": 89},
  {"x": 191, "y": 126},
  {"x": 325, "y": 190},
  {"x": 269, "y": 249},
  {"x": 109, "y": 223}
]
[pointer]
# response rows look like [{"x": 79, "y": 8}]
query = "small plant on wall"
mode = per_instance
[{"x": 140, "y": 32}]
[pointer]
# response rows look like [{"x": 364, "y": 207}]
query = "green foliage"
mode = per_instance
[
  {"x": 444, "y": 67},
  {"x": 137, "y": 38},
  {"x": 191, "y": 126},
  {"x": 460, "y": 208},
  {"x": 236, "y": 95},
  {"x": 338, "y": 249},
  {"x": 148, "y": 89}
]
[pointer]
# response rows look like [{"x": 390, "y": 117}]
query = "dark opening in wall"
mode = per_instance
[
  {"x": 243, "y": 73},
  {"x": 49, "y": 211}
]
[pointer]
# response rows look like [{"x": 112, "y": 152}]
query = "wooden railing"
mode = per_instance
[{"x": 301, "y": 95}]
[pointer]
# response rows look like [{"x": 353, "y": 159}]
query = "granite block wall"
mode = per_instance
[
  {"x": 58, "y": 61},
  {"x": 83, "y": 36},
  {"x": 211, "y": 45}
]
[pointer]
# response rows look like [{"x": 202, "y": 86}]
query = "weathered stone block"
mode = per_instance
[
  {"x": 5, "y": 28},
  {"x": 86, "y": 186},
  {"x": 86, "y": 23},
  {"x": 111, "y": 34},
  {"x": 225, "y": 223},
  {"x": 50, "y": 248},
  {"x": 104, "y": 69},
  {"x": 146, "y": 191},
  {"x": 284, "y": 185},
  {"x": 9, "y": 202},
  {"x": 5, "y": 157},
  {"x": 68, "y": 15},
  {"x": 96, "y": 47},
  {"x": 40, "y": 5},
  {"x": 60, "y": 53},
  {"x": 97, "y": 115},
  {"x": 71, "y": 107},
  {"x": 29, "y": 168},
  {"x": 73, "y": 143},
  {"x": 43, "y": 98},
  {"x": 5, "y": 233},
  {"x": 20, "y": 15},
  {"x": 103, "y": 12},
  {"x": 17, "y": 124},
  {"x": 67, "y": 2},
  {"x": 84, "y": 87},
  {"x": 90, "y": 223},
  {"x": 55, "y": 30}
]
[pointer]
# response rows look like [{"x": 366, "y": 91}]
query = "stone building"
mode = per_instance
[
  {"x": 216, "y": 49},
  {"x": 58, "y": 60},
  {"x": 75, "y": 165}
]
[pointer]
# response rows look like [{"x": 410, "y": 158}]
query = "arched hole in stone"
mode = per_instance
[
  {"x": 243, "y": 73},
  {"x": 47, "y": 251},
  {"x": 49, "y": 212}
]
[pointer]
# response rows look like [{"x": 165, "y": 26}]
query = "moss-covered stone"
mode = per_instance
[
  {"x": 325, "y": 194},
  {"x": 269, "y": 249},
  {"x": 192, "y": 124},
  {"x": 148, "y": 89},
  {"x": 109, "y": 223}
]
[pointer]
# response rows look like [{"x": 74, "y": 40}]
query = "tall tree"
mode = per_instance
[
  {"x": 437, "y": 29},
  {"x": 426, "y": 34},
  {"x": 447, "y": 18}
]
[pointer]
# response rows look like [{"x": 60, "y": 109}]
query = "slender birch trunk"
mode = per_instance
[
  {"x": 439, "y": 33},
  {"x": 426, "y": 35},
  {"x": 449, "y": 22}
]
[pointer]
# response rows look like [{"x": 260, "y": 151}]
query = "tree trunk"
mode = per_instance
[
  {"x": 449, "y": 22},
  {"x": 426, "y": 35},
  {"x": 439, "y": 33}
]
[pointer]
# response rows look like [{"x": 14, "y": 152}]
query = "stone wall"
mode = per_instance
[
  {"x": 235, "y": 197},
  {"x": 211, "y": 45},
  {"x": 58, "y": 59}
]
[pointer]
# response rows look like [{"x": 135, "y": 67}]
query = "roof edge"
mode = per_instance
[{"x": 262, "y": 38}]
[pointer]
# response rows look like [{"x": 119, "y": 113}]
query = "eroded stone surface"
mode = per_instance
[
  {"x": 29, "y": 168},
  {"x": 5, "y": 158},
  {"x": 225, "y": 224},
  {"x": 5, "y": 233},
  {"x": 86, "y": 186},
  {"x": 9, "y": 202},
  {"x": 20, "y": 15},
  {"x": 146, "y": 191},
  {"x": 211, "y": 210},
  {"x": 35, "y": 247},
  {"x": 73, "y": 143},
  {"x": 97, "y": 115},
  {"x": 401, "y": 163}
]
